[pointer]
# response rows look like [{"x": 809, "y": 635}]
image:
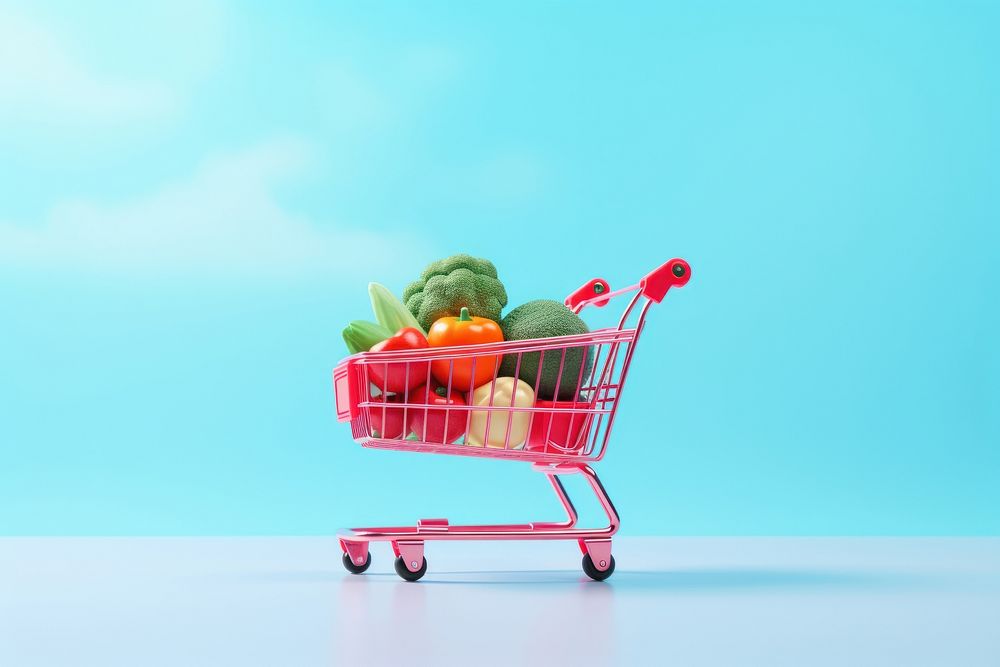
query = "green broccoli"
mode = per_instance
[{"x": 448, "y": 284}]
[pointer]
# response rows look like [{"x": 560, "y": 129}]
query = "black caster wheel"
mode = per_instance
[
  {"x": 356, "y": 569},
  {"x": 591, "y": 570},
  {"x": 405, "y": 573}
]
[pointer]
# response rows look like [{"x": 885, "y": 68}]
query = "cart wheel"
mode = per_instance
[
  {"x": 356, "y": 569},
  {"x": 591, "y": 570},
  {"x": 405, "y": 573}
]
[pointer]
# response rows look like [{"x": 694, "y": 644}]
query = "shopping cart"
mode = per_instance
[{"x": 559, "y": 432}]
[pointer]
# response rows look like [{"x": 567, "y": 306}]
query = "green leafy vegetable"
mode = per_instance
[
  {"x": 390, "y": 311},
  {"x": 360, "y": 335}
]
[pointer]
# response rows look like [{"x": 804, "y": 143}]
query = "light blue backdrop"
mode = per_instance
[{"x": 193, "y": 198}]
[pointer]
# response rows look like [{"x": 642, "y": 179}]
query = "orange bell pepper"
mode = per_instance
[{"x": 464, "y": 330}]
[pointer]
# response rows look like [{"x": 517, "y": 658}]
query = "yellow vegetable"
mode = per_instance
[{"x": 507, "y": 392}]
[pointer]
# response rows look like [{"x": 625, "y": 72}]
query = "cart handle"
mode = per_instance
[{"x": 653, "y": 286}]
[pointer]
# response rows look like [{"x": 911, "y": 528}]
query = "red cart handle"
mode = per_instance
[
  {"x": 654, "y": 286},
  {"x": 590, "y": 293},
  {"x": 675, "y": 273}
]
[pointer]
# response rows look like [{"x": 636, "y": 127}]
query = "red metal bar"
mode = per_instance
[{"x": 509, "y": 531}]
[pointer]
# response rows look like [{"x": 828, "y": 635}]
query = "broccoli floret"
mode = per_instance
[{"x": 448, "y": 284}]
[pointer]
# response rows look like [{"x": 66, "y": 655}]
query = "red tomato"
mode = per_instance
[
  {"x": 387, "y": 419},
  {"x": 400, "y": 376},
  {"x": 443, "y": 426}
]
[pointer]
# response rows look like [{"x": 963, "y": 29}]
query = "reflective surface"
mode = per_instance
[{"x": 288, "y": 601}]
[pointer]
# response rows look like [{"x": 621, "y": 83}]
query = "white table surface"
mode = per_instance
[{"x": 680, "y": 601}]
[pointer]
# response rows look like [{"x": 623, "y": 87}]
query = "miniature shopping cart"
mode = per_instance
[{"x": 559, "y": 431}]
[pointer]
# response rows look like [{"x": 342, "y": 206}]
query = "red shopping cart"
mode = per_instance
[{"x": 559, "y": 432}]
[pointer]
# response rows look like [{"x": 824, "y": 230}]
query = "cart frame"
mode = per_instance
[{"x": 354, "y": 403}]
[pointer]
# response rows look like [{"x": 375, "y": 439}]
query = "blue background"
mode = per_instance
[{"x": 194, "y": 196}]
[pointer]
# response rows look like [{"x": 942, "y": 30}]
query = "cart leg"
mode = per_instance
[
  {"x": 599, "y": 551},
  {"x": 411, "y": 552},
  {"x": 356, "y": 550},
  {"x": 571, "y": 515},
  {"x": 602, "y": 496},
  {"x": 553, "y": 472},
  {"x": 598, "y": 562},
  {"x": 356, "y": 558}
]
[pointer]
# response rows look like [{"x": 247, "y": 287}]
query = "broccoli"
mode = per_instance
[{"x": 448, "y": 284}]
